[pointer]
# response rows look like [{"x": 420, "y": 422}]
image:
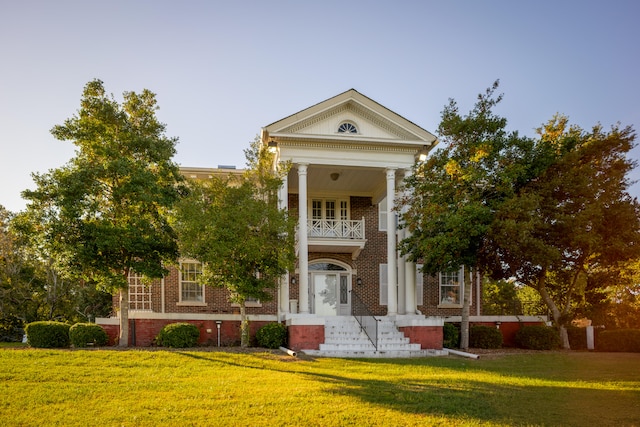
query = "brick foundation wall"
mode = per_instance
[
  {"x": 429, "y": 337},
  {"x": 305, "y": 337},
  {"x": 142, "y": 332}
]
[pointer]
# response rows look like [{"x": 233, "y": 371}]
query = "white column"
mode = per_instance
[
  {"x": 283, "y": 203},
  {"x": 303, "y": 252},
  {"x": 409, "y": 272},
  {"x": 402, "y": 279},
  {"x": 410, "y": 292},
  {"x": 392, "y": 272}
]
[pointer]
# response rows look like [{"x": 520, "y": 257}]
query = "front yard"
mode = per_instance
[{"x": 268, "y": 388}]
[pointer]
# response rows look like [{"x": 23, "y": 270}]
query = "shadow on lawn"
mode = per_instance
[{"x": 502, "y": 398}]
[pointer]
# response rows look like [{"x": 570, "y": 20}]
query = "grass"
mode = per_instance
[{"x": 201, "y": 388}]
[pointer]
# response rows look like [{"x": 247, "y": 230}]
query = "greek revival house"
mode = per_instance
[{"x": 351, "y": 293}]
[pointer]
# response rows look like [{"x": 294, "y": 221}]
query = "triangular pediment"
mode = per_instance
[{"x": 372, "y": 122}]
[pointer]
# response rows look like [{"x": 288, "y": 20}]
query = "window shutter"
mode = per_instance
[
  {"x": 383, "y": 284},
  {"x": 419, "y": 285},
  {"x": 382, "y": 215}
]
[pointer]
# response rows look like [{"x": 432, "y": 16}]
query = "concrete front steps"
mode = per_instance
[{"x": 344, "y": 338}]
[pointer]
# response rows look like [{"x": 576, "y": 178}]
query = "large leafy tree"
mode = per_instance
[
  {"x": 30, "y": 287},
  {"x": 234, "y": 227},
  {"x": 612, "y": 296},
  {"x": 455, "y": 193},
  {"x": 574, "y": 219},
  {"x": 104, "y": 213}
]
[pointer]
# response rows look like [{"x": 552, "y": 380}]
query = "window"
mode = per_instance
[
  {"x": 451, "y": 288},
  {"x": 347, "y": 127},
  {"x": 190, "y": 290},
  {"x": 326, "y": 215},
  {"x": 139, "y": 293}
]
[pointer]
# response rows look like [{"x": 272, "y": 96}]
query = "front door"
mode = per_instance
[{"x": 329, "y": 290}]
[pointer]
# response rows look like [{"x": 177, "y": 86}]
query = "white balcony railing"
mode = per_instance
[{"x": 336, "y": 229}]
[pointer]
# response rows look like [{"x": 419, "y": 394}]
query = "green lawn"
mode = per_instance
[{"x": 201, "y": 388}]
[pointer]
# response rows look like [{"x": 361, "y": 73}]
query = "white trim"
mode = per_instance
[{"x": 181, "y": 302}]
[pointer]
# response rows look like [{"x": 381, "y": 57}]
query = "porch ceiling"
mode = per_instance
[{"x": 321, "y": 179}]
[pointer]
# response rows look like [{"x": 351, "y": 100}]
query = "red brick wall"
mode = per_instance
[
  {"x": 429, "y": 337},
  {"x": 142, "y": 332},
  {"x": 216, "y": 299},
  {"x": 373, "y": 254},
  {"x": 305, "y": 337}
]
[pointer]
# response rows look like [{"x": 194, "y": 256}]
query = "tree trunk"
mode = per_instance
[
  {"x": 244, "y": 327},
  {"x": 123, "y": 337},
  {"x": 555, "y": 313},
  {"x": 467, "y": 279}
]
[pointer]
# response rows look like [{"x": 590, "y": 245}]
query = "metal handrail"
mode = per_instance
[{"x": 366, "y": 319}]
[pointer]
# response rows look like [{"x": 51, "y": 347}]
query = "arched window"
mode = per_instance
[
  {"x": 347, "y": 127},
  {"x": 326, "y": 266}
]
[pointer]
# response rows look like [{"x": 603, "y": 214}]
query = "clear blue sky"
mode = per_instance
[{"x": 224, "y": 69}]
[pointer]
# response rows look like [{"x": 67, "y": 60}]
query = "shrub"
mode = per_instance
[
  {"x": 11, "y": 329},
  {"x": 624, "y": 340},
  {"x": 82, "y": 334},
  {"x": 537, "y": 337},
  {"x": 484, "y": 337},
  {"x": 577, "y": 338},
  {"x": 450, "y": 336},
  {"x": 47, "y": 334},
  {"x": 271, "y": 335},
  {"x": 178, "y": 335}
]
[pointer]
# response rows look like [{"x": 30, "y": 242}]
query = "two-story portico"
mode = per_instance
[{"x": 348, "y": 157}]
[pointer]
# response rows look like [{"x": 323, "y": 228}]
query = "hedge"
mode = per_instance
[
  {"x": 47, "y": 334},
  {"x": 272, "y": 335},
  {"x": 450, "y": 336},
  {"x": 484, "y": 337},
  {"x": 83, "y": 334},
  {"x": 537, "y": 337},
  {"x": 623, "y": 340},
  {"x": 178, "y": 335}
]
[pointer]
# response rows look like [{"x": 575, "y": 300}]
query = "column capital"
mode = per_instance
[
  {"x": 391, "y": 172},
  {"x": 302, "y": 167}
]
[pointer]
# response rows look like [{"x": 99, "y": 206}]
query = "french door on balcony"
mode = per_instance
[{"x": 327, "y": 216}]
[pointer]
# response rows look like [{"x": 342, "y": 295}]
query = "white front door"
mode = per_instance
[{"x": 329, "y": 291}]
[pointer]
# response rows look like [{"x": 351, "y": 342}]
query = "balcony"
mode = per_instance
[{"x": 336, "y": 236}]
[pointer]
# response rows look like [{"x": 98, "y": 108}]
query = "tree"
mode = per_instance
[
  {"x": 612, "y": 296},
  {"x": 104, "y": 214},
  {"x": 234, "y": 227},
  {"x": 455, "y": 193},
  {"x": 576, "y": 217}
]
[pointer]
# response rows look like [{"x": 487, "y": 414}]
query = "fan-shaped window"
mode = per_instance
[
  {"x": 326, "y": 266},
  {"x": 347, "y": 127}
]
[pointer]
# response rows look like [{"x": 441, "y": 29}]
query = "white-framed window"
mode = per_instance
[
  {"x": 384, "y": 297},
  {"x": 191, "y": 292},
  {"x": 139, "y": 293},
  {"x": 451, "y": 286},
  {"x": 348, "y": 128},
  {"x": 329, "y": 209}
]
